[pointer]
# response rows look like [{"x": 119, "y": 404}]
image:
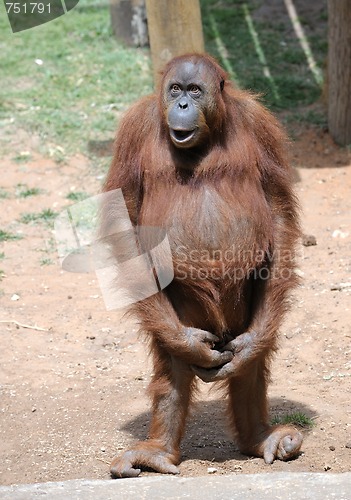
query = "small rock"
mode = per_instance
[
  {"x": 348, "y": 445},
  {"x": 308, "y": 240},
  {"x": 327, "y": 467},
  {"x": 15, "y": 297},
  {"x": 339, "y": 234},
  {"x": 34, "y": 409},
  {"x": 332, "y": 448},
  {"x": 291, "y": 334},
  {"x": 340, "y": 286},
  {"x": 237, "y": 467},
  {"x": 103, "y": 449},
  {"x": 211, "y": 470}
]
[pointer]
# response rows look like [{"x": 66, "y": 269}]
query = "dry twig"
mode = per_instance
[{"x": 34, "y": 327}]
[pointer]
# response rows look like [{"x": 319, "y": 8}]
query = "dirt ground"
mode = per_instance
[{"x": 73, "y": 385}]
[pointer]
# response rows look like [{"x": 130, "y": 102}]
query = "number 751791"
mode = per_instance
[{"x": 30, "y": 8}]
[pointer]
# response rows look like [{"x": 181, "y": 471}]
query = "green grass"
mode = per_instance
[
  {"x": 87, "y": 78},
  {"x": 46, "y": 215},
  {"x": 247, "y": 47},
  {"x": 312, "y": 117},
  {"x": 296, "y": 418},
  {"x": 7, "y": 236},
  {"x": 50, "y": 248},
  {"x": 2, "y": 255},
  {"x": 23, "y": 191},
  {"x": 22, "y": 157},
  {"x": 45, "y": 261},
  {"x": 4, "y": 194},
  {"x": 77, "y": 196}
]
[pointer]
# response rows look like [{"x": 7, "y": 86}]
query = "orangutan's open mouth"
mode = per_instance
[{"x": 182, "y": 136}]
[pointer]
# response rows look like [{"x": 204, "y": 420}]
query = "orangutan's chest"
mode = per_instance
[{"x": 208, "y": 218}]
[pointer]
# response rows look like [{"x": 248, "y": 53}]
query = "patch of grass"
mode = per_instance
[
  {"x": 45, "y": 261},
  {"x": 296, "y": 418},
  {"x": 22, "y": 157},
  {"x": 50, "y": 247},
  {"x": 261, "y": 55},
  {"x": 312, "y": 117},
  {"x": 4, "y": 194},
  {"x": 58, "y": 153},
  {"x": 2, "y": 274},
  {"x": 6, "y": 236},
  {"x": 28, "y": 218},
  {"x": 46, "y": 215},
  {"x": 316, "y": 118},
  {"x": 77, "y": 196},
  {"x": 2, "y": 255},
  {"x": 86, "y": 79},
  {"x": 23, "y": 191}
]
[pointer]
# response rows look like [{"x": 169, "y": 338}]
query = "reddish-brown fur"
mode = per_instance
[{"x": 229, "y": 210}]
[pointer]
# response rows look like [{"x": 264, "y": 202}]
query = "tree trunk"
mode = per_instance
[
  {"x": 175, "y": 28},
  {"x": 339, "y": 71},
  {"x": 128, "y": 18}
]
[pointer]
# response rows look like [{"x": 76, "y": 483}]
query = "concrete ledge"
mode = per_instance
[{"x": 273, "y": 486}]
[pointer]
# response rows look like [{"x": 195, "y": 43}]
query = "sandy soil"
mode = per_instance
[{"x": 73, "y": 394}]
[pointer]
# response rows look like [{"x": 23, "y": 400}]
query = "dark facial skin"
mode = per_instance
[{"x": 186, "y": 101}]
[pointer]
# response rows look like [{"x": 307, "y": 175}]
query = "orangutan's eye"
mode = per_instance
[
  {"x": 195, "y": 90},
  {"x": 175, "y": 89}
]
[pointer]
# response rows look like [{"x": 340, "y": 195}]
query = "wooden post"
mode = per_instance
[
  {"x": 339, "y": 71},
  {"x": 128, "y": 18},
  {"x": 175, "y": 28}
]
